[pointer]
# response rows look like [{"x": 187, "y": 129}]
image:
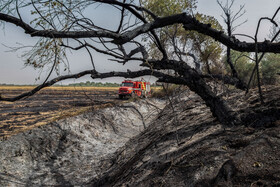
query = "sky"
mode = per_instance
[{"x": 12, "y": 70}]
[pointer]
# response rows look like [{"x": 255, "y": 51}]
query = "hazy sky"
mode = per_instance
[{"x": 13, "y": 71}]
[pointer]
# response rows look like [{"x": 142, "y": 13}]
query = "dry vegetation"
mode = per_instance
[
  {"x": 49, "y": 105},
  {"x": 58, "y": 88}
]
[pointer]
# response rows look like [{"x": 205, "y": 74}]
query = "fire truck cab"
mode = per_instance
[{"x": 134, "y": 88}]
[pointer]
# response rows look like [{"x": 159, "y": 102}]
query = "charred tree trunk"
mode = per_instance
[
  {"x": 241, "y": 84},
  {"x": 208, "y": 67},
  {"x": 193, "y": 80},
  {"x": 216, "y": 104},
  {"x": 196, "y": 62},
  {"x": 229, "y": 29},
  {"x": 229, "y": 19}
]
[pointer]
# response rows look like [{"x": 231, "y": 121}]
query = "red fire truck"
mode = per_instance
[{"x": 134, "y": 88}]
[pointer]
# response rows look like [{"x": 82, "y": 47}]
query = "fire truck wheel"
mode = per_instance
[
  {"x": 144, "y": 94},
  {"x": 120, "y": 96},
  {"x": 133, "y": 94}
]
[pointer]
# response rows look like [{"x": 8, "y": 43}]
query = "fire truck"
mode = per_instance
[{"x": 134, "y": 88}]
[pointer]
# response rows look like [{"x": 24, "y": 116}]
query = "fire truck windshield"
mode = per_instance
[{"x": 127, "y": 84}]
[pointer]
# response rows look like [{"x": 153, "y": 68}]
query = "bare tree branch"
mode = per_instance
[
  {"x": 189, "y": 23},
  {"x": 94, "y": 75}
]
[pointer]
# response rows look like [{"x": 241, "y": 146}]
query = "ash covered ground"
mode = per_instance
[{"x": 151, "y": 142}]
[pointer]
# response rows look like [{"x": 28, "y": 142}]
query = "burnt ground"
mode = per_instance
[
  {"x": 48, "y": 105},
  {"x": 73, "y": 151},
  {"x": 182, "y": 145},
  {"x": 186, "y": 146}
]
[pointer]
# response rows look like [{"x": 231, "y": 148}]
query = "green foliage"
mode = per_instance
[
  {"x": 166, "y": 8},
  {"x": 95, "y": 84},
  {"x": 44, "y": 15},
  {"x": 270, "y": 66},
  {"x": 208, "y": 49},
  {"x": 46, "y": 52},
  {"x": 243, "y": 65},
  {"x": 163, "y": 8}
]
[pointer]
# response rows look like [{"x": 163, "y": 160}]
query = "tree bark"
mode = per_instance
[{"x": 191, "y": 78}]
